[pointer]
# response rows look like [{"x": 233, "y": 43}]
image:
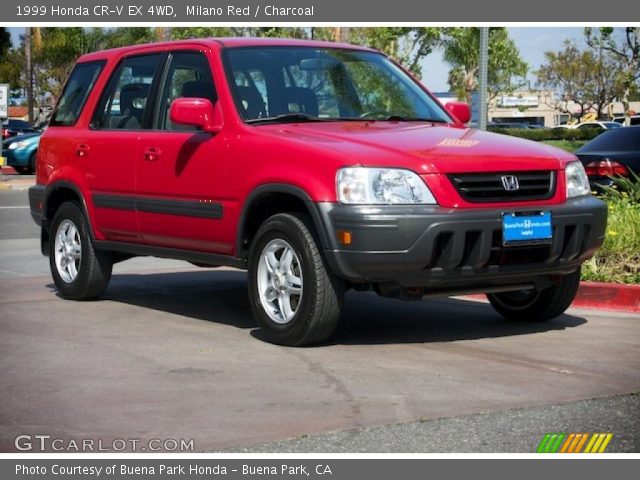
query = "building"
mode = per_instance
[{"x": 533, "y": 107}]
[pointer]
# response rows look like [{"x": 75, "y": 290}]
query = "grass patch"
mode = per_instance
[
  {"x": 568, "y": 145},
  {"x": 618, "y": 260}
]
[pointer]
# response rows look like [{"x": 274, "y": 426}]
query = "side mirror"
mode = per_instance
[
  {"x": 197, "y": 112},
  {"x": 460, "y": 110}
]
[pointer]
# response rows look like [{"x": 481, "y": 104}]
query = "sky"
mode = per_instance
[{"x": 532, "y": 42}]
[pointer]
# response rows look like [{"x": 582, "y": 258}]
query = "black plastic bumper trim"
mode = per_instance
[{"x": 186, "y": 208}]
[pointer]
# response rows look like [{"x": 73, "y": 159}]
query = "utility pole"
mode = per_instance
[
  {"x": 341, "y": 34},
  {"x": 28, "y": 61},
  {"x": 484, "y": 63}
]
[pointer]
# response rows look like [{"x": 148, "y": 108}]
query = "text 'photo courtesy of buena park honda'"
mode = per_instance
[{"x": 316, "y": 166}]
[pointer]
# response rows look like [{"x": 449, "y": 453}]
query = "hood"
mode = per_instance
[{"x": 424, "y": 148}]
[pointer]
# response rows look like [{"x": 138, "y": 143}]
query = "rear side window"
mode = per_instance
[
  {"x": 75, "y": 93},
  {"x": 124, "y": 104}
]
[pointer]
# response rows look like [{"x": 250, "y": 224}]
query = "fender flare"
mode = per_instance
[{"x": 288, "y": 189}]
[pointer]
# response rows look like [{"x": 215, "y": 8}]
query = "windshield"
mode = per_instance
[{"x": 324, "y": 84}]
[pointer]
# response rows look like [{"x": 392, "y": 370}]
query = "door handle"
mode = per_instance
[
  {"x": 82, "y": 150},
  {"x": 152, "y": 154}
]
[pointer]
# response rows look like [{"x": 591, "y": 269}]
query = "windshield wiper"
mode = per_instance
[{"x": 289, "y": 117}]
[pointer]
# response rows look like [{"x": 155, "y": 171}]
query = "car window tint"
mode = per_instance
[
  {"x": 188, "y": 75},
  {"x": 124, "y": 103},
  {"x": 620, "y": 139},
  {"x": 75, "y": 93}
]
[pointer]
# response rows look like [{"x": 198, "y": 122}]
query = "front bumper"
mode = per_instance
[{"x": 445, "y": 249}]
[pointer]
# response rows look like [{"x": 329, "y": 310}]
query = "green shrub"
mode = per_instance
[
  {"x": 550, "y": 134},
  {"x": 624, "y": 188},
  {"x": 618, "y": 260}
]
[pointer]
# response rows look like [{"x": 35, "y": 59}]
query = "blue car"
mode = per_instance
[{"x": 20, "y": 152}]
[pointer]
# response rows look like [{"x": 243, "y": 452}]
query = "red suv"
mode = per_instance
[{"x": 318, "y": 168}]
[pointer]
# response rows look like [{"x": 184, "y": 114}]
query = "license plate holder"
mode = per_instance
[{"x": 526, "y": 228}]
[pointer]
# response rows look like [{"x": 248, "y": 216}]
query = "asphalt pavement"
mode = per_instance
[{"x": 172, "y": 351}]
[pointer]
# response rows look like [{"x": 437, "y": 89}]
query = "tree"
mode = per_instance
[
  {"x": 5, "y": 42},
  {"x": 624, "y": 45},
  {"x": 584, "y": 77},
  {"x": 506, "y": 71}
]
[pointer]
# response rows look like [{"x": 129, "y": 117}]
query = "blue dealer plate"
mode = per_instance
[{"x": 526, "y": 228}]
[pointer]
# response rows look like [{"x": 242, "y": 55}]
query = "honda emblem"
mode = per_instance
[{"x": 510, "y": 183}]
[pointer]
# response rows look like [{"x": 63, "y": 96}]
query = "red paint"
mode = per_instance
[{"x": 600, "y": 296}]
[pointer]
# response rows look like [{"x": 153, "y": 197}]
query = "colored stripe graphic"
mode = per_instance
[{"x": 574, "y": 442}]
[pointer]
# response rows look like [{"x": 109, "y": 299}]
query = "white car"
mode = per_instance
[{"x": 604, "y": 125}]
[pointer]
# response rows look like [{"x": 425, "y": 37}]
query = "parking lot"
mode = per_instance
[{"x": 172, "y": 351}]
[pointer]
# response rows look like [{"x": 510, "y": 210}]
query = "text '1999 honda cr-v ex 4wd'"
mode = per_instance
[{"x": 315, "y": 166}]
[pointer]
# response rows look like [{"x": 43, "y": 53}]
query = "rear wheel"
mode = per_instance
[
  {"x": 295, "y": 298},
  {"x": 537, "y": 305},
  {"x": 79, "y": 271},
  {"x": 32, "y": 162}
]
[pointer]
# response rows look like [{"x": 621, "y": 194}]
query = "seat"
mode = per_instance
[
  {"x": 252, "y": 102},
  {"x": 199, "y": 89},
  {"x": 131, "y": 97},
  {"x": 300, "y": 100}
]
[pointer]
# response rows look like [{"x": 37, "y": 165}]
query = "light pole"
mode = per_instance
[{"x": 482, "y": 83}]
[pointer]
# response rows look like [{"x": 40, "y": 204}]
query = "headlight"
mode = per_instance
[
  {"x": 366, "y": 186},
  {"x": 577, "y": 180},
  {"x": 17, "y": 145}
]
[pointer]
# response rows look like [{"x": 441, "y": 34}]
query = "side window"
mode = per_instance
[
  {"x": 188, "y": 75},
  {"x": 75, "y": 93},
  {"x": 124, "y": 102}
]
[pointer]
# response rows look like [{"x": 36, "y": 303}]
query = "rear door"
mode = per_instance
[
  {"x": 181, "y": 172},
  {"x": 108, "y": 149}
]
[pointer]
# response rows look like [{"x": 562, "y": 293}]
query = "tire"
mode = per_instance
[
  {"x": 537, "y": 305},
  {"x": 32, "y": 163},
  {"x": 295, "y": 298},
  {"x": 79, "y": 271}
]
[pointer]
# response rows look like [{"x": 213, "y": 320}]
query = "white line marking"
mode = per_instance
[{"x": 21, "y": 206}]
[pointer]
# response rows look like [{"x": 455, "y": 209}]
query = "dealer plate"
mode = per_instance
[{"x": 525, "y": 228}]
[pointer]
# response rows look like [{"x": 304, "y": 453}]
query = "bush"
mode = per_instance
[
  {"x": 618, "y": 260},
  {"x": 624, "y": 188},
  {"x": 550, "y": 134}
]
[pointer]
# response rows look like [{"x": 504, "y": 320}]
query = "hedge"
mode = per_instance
[{"x": 550, "y": 134}]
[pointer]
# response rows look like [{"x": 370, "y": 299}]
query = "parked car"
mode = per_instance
[
  {"x": 12, "y": 127},
  {"x": 599, "y": 125},
  {"x": 316, "y": 167},
  {"x": 612, "y": 153},
  {"x": 493, "y": 126},
  {"x": 635, "y": 120},
  {"x": 21, "y": 152}
]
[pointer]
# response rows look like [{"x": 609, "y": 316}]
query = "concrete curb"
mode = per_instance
[
  {"x": 608, "y": 296},
  {"x": 617, "y": 297}
]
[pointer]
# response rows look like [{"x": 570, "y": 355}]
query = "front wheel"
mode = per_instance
[
  {"x": 537, "y": 305},
  {"x": 294, "y": 297},
  {"x": 79, "y": 271}
]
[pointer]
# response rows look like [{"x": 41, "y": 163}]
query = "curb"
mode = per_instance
[
  {"x": 617, "y": 297},
  {"x": 8, "y": 170},
  {"x": 608, "y": 296}
]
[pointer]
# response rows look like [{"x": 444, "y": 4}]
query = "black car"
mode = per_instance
[
  {"x": 614, "y": 152},
  {"x": 11, "y": 128}
]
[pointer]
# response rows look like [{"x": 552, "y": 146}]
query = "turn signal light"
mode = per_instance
[
  {"x": 605, "y": 168},
  {"x": 344, "y": 237}
]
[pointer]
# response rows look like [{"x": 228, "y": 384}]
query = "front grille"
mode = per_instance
[{"x": 489, "y": 187}]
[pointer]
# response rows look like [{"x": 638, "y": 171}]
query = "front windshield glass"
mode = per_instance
[{"x": 324, "y": 84}]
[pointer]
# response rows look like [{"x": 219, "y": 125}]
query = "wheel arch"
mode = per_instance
[
  {"x": 269, "y": 199},
  {"x": 55, "y": 195}
]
